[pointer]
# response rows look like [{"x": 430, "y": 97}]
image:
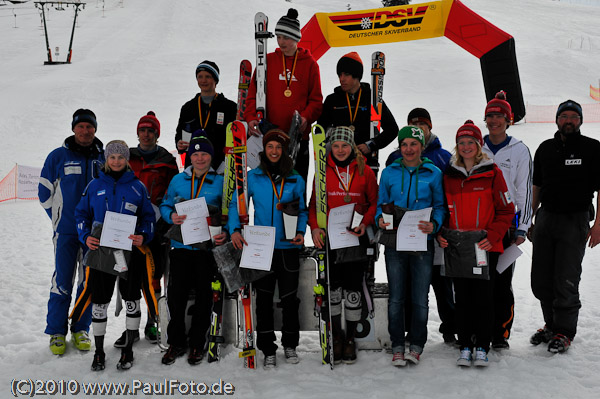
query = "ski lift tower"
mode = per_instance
[{"x": 59, "y": 5}]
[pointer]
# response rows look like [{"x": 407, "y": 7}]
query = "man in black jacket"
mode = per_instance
[
  {"x": 350, "y": 105},
  {"x": 565, "y": 177},
  {"x": 209, "y": 111}
]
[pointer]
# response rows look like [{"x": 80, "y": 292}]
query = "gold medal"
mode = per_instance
[
  {"x": 351, "y": 127},
  {"x": 347, "y": 198},
  {"x": 287, "y": 93}
]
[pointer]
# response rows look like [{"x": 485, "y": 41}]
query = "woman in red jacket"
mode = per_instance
[
  {"x": 349, "y": 181},
  {"x": 477, "y": 199}
]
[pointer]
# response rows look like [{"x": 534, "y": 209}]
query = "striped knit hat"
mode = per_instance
[
  {"x": 209, "y": 67},
  {"x": 289, "y": 26},
  {"x": 342, "y": 133}
]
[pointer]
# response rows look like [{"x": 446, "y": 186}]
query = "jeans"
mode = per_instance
[{"x": 408, "y": 269}]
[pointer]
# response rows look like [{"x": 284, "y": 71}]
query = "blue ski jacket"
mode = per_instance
[
  {"x": 414, "y": 189},
  {"x": 180, "y": 189},
  {"x": 264, "y": 199},
  {"x": 65, "y": 175},
  {"x": 127, "y": 195}
]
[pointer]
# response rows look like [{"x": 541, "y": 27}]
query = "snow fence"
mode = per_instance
[{"x": 20, "y": 183}]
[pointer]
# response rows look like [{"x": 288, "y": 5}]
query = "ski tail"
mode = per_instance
[
  {"x": 243, "y": 85},
  {"x": 295, "y": 135},
  {"x": 215, "y": 337},
  {"x": 261, "y": 34}
]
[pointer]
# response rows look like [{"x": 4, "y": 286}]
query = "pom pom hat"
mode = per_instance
[
  {"x": 468, "y": 129},
  {"x": 150, "y": 121},
  {"x": 289, "y": 26},
  {"x": 499, "y": 105}
]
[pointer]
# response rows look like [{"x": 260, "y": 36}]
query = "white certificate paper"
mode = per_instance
[
  {"x": 337, "y": 224},
  {"x": 116, "y": 230},
  {"x": 507, "y": 258},
  {"x": 409, "y": 237},
  {"x": 195, "y": 226},
  {"x": 253, "y": 147},
  {"x": 258, "y": 254}
]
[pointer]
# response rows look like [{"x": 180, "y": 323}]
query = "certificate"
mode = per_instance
[
  {"x": 337, "y": 227},
  {"x": 253, "y": 147},
  {"x": 195, "y": 226},
  {"x": 116, "y": 230},
  {"x": 409, "y": 237},
  {"x": 186, "y": 136},
  {"x": 258, "y": 254},
  {"x": 507, "y": 258}
]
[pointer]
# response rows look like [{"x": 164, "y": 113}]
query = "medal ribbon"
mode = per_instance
[
  {"x": 201, "y": 183},
  {"x": 346, "y": 188},
  {"x": 353, "y": 117},
  {"x": 202, "y": 123},
  {"x": 278, "y": 195},
  {"x": 289, "y": 83}
]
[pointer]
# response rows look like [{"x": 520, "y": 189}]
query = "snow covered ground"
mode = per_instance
[{"x": 139, "y": 56}]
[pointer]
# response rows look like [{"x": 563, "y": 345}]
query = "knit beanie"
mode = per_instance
[
  {"x": 570, "y": 105},
  {"x": 469, "y": 129},
  {"x": 117, "y": 147},
  {"x": 411, "y": 132},
  {"x": 352, "y": 64},
  {"x": 419, "y": 115},
  {"x": 289, "y": 26},
  {"x": 150, "y": 121},
  {"x": 277, "y": 135},
  {"x": 499, "y": 105},
  {"x": 342, "y": 133},
  {"x": 84, "y": 115},
  {"x": 209, "y": 67},
  {"x": 200, "y": 144}
]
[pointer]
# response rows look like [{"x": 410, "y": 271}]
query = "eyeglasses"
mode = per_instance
[{"x": 571, "y": 117}]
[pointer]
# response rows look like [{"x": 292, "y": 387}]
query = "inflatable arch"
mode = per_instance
[{"x": 494, "y": 47}]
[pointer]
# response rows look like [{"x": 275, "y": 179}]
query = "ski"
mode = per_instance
[
  {"x": 244, "y": 83},
  {"x": 239, "y": 130},
  {"x": 322, "y": 288},
  {"x": 377, "y": 74},
  {"x": 228, "y": 175},
  {"x": 261, "y": 34},
  {"x": 215, "y": 337},
  {"x": 295, "y": 135}
]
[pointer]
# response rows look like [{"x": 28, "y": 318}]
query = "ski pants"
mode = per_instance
[
  {"x": 190, "y": 270},
  {"x": 285, "y": 269},
  {"x": 475, "y": 308},
  {"x": 346, "y": 277},
  {"x": 504, "y": 300},
  {"x": 67, "y": 258},
  {"x": 558, "y": 248}
]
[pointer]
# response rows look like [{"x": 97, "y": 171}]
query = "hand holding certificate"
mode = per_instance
[
  {"x": 338, "y": 222},
  {"x": 116, "y": 230},
  {"x": 410, "y": 237},
  {"x": 258, "y": 252},
  {"x": 195, "y": 226}
]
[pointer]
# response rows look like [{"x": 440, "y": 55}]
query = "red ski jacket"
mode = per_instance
[
  {"x": 155, "y": 175},
  {"x": 479, "y": 201},
  {"x": 363, "y": 191},
  {"x": 306, "y": 97}
]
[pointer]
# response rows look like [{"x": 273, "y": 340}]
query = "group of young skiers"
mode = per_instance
[{"x": 482, "y": 200}]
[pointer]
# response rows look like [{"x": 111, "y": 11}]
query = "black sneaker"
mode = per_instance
[
  {"x": 349, "y": 356},
  {"x": 122, "y": 341},
  {"x": 500, "y": 344},
  {"x": 172, "y": 354},
  {"x": 126, "y": 361},
  {"x": 559, "y": 344},
  {"x": 195, "y": 356},
  {"x": 98, "y": 362},
  {"x": 542, "y": 335}
]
